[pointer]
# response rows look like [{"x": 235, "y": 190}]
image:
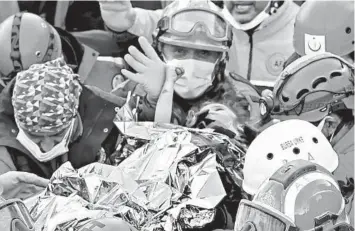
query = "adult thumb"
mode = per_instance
[{"x": 30, "y": 178}]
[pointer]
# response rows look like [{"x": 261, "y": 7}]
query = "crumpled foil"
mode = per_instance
[
  {"x": 170, "y": 182},
  {"x": 230, "y": 154}
]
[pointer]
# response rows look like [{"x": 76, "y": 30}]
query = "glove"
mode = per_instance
[
  {"x": 21, "y": 185},
  {"x": 118, "y": 15},
  {"x": 151, "y": 70}
]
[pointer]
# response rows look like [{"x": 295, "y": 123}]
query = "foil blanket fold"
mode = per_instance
[{"x": 171, "y": 182}]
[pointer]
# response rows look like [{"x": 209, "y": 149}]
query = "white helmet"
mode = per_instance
[
  {"x": 300, "y": 196},
  {"x": 281, "y": 143}
]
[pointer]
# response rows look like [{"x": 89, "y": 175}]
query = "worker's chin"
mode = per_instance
[
  {"x": 242, "y": 13},
  {"x": 244, "y": 18}
]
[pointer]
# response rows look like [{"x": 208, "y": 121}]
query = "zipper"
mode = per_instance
[{"x": 250, "y": 62}]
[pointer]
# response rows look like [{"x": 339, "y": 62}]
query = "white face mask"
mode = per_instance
[
  {"x": 245, "y": 26},
  {"x": 197, "y": 77},
  {"x": 58, "y": 150}
]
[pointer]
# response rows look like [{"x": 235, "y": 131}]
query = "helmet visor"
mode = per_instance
[
  {"x": 312, "y": 106},
  {"x": 190, "y": 21},
  {"x": 14, "y": 216},
  {"x": 253, "y": 217}
]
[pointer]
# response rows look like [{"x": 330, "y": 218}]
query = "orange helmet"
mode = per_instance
[{"x": 26, "y": 39}]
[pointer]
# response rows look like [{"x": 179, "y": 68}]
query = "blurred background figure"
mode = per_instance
[{"x": 262, "y": 40}]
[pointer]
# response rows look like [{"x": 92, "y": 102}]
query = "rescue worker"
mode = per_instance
[
  {"x": 47, "y": 118},
  {"x": 197, "y": 58},
  {"x": 300, "y": 195},
  {"x": 262, "y": 32},
  {"x": 320, "y": 89},
  {"x": 192, "y": 36},
  {"x": 316, "y": 32},
  {"x": 27, "y": 39}
]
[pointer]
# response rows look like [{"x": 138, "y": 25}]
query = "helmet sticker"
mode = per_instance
[
  {"x": 314, "y": 44},
  {"x": 290, "y": 143}
]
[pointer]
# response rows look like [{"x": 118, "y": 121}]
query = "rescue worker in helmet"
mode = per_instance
[
  {"x": 300, "y": 195},
  {"x": 319, "y": 88},
  {"x": 262, "y": 32},
  {"x": 27, "y": 39},
  {"x": 47, "y": 117},
  {"x": 292, "y": 188},
  {"x": 315, "y": 31},
  {"x": 193, "y": 37},
  {"x": 188, "y": 65}
]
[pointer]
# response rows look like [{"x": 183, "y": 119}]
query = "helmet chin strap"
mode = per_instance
[{"x": 255, "y": 22}]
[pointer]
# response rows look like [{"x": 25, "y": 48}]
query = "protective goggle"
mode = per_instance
[
  {"x": 189, "y": 21},
  {"x": 253, "y": 216},
  {"x": 14, "y": 216}
]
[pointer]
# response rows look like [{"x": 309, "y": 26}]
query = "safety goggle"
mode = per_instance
[
  {"x": 189, "y": 21},
  {"x": 253, "y": 216},
  {"x": 14, "y": 216}
]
